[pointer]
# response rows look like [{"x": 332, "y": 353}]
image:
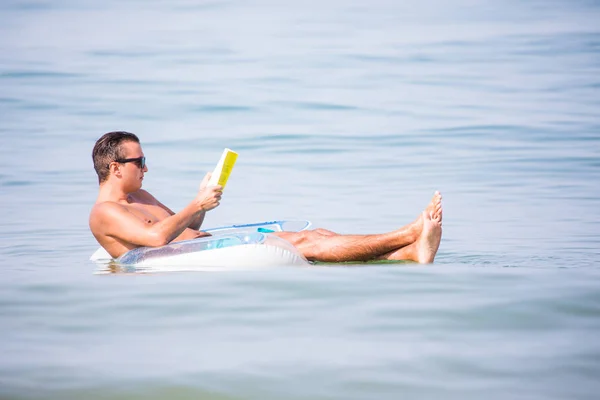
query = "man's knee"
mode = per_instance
[
  {"x": 296, "y": 238},
  {"x": 325, "y": 232},
  {"x": 308, "y": 236},
  {"x": 306, "y": 239}
]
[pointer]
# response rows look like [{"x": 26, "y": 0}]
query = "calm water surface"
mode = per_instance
[{"x": 346, "y": 114}]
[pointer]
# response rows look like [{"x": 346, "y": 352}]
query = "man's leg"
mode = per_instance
[
  {"x": 317, "y": 246},
  {"x": 321, "y": 245},
  {"x": 424, "y": 249}
]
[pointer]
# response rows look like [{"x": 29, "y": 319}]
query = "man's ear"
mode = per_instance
[{"x": 115, "y": 169}]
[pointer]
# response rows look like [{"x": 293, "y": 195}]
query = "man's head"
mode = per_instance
[{"x": 110, "y": 149}]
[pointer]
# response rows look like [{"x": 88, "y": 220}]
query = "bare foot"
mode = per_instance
[
  {"x": 427, "y": 229},
  {"x": 434, "y": 208},
  {"x": 428, "y": 243}
]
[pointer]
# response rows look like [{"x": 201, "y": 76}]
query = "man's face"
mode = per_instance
[{"x": 132, "y": 166}]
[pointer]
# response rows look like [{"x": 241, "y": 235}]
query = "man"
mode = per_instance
[{"x": 125, "y": 216}]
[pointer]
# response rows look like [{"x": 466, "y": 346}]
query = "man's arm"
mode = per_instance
[
  {"x": 196, "y": 223},
  {"x": 114, "y": 220}
]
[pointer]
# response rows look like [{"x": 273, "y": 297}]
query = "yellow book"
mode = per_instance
[{"x": 223, "y": 169}]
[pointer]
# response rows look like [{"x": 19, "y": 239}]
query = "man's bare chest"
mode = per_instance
[{"x": 149, "y": 213}]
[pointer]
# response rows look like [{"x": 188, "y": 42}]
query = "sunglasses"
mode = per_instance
[{"x": 139, "y": 161}]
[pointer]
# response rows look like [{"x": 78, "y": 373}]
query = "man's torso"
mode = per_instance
[{"x": 147, "y": 209}]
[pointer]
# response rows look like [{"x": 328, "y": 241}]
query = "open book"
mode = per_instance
[{"x": 223, "y": 169}]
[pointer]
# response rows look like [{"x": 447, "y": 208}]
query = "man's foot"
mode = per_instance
[
  {"x": 434, "y": 208},
  {"x": 427, "y": 230},
  {"x": 428, "y": 243}
]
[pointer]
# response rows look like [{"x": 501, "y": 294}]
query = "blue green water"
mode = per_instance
[{"x": 344, "y": 113}]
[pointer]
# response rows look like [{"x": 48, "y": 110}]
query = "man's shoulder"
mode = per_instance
[
  {"x": 143, "y": 196},
  {"x": 103, "y": 209},
  {"x": 100, "y": 206}
]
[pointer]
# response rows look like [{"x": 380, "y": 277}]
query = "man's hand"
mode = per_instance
[
  {"x": 205, "y": 180},
  {"x": 209, "y": 197}
]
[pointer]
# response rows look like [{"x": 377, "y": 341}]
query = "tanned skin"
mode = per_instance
[{"x": 125, "y": 217}]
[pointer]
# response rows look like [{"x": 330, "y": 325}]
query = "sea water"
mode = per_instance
[{"x": 348, "y": 114}]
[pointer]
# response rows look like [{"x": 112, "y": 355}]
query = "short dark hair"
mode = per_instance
[{"x": 108, "y": 149}]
